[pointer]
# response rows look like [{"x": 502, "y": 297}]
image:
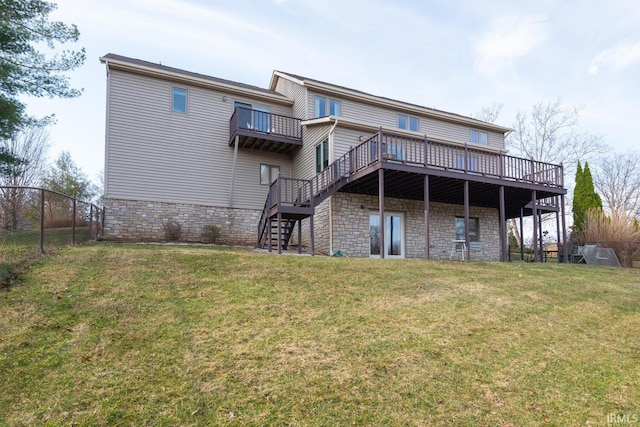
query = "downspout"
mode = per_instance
[
  {"x": 105, "y": 189},
  {"x": 331, "y": 198}
]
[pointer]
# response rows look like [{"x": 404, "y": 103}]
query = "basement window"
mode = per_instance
[{"x": 474, "y": 229}]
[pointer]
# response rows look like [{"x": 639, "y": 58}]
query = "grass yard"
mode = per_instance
[
  {"x": 18, "y": 248},
  {"x": 107, "y": 334}
]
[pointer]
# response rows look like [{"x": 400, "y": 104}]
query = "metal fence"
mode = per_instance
[{"x": 37, "y": 218}]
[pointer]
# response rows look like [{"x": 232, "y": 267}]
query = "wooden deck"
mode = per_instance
[
  {"x": 419, "y": 169},
  {"x": 264, "y": 131}
]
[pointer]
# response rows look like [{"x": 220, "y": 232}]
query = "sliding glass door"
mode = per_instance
[{"x": 393, "y": 232}]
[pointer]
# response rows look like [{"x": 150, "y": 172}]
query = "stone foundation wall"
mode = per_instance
[
  {"x": 134, "y": 220},
  {"x": 348, "y": 226},
  {"x": 351, "y": 226}
]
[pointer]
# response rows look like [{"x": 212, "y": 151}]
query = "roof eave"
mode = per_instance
[
  {"x": 441, "y": 115},
  {"x": 169, "y": 75}
]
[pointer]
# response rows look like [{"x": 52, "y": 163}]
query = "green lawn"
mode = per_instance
[
  {"x": 107, "y": 334},
  {"x": 18, "y": 248}
]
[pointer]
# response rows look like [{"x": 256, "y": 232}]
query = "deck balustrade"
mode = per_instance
[
  {"x": 264, "y": 125},
  {"x": 293, "y": 196}
]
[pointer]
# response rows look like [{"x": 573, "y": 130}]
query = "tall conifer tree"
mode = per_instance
[{"x": 585, "y": 197}]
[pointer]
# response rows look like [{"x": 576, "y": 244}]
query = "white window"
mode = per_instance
[
  {"x": 326, "y": 107},
  {"x": 268, "y": 173},
  {"x": 408, "y": 122},
  {"x": 479, "y": 138},
  {"x": 322, "y": 155},
  {"x": 334, "y": 107},
  {"x": 179, "y": 100}
]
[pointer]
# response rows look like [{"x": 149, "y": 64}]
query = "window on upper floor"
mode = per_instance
[
  {"x": 326, "y": 107},
  {"x": 408, "y": 123},
  {"x": 474, "y": 229},
  {"x": 479, "y": 138},
  {"x": 322, "y": 155},
  {"x": 268, "y": 173},
  {"x": 179, "y": 100}
]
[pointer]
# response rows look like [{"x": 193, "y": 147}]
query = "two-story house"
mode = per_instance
[{"x": 313, "y": 164}]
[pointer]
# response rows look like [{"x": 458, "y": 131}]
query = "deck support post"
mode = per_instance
[
  {"x": 311, "y": 231},
  {"x": 426, "y": 217},
  {"x": 534, "y": 207},
  {"x": 279, "y": 231},
  {"x": 467, "y": 236},
  {"x": 299, "y": 236},
  {"x": 269, "y": 234},
  {"x": 564, "y": 231},
  {"x": 233, "y": 169},
  {"x": 557, "y": 227},
  {"x": 521, "y": 234},
  {"x": 503, "y": 229},
  {"x": 540, "y": 236},
  {"x": 381, "y": 208}
]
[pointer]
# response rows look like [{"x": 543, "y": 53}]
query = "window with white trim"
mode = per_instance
[
  {"x": 268, "y": 173},
  {"x": 179, "y": 100},
  {"x": 322, "y": 155},
  {"x": 326, "y": 107},
  {"x": 408, "y": 122},
  {"x": 479, "y": 138}
]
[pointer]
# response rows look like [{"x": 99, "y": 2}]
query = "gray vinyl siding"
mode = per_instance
[
  {"x": 388, "y": 118},
  {"x": 155, "y": 154},
  {"x": 345, "y": 139},
  {"x": 297, "y": 93},
  {"x": 304, "y": 159}
]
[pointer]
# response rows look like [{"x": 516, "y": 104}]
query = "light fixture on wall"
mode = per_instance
[
  {"x": 224, "y": 98},
  {"x": 361, "y": 138}
]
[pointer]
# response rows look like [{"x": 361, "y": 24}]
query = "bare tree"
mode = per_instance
[
  {"x": 617, "y": 180},
  {"x": 30, "y": 145},
  {"x": 549, "y": 133},
  {"x": 489, "y": 114}
]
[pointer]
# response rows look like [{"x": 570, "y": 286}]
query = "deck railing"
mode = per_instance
[
  {"x": 405, "y": 150},
  {"x": 413, "y": 151},
  {"x": 265, "y": 123}
]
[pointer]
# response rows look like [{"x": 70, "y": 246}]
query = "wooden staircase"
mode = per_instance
[
  {"x": 291, "y": 200},
  {"x": 273, "y": 234}
]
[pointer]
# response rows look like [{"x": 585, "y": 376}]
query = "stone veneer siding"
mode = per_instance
[
  {"x": 351, "y": 226},
  {"x": 143, "y": 221},
  {"x": 136, "y": 220}
]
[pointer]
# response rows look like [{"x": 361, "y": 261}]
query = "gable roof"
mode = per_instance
[
  {"x": 382, "y": 101},
  {"x": 162, "y": 71}
]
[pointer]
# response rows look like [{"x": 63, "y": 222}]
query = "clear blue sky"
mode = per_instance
[{"x": 457, "y": 56}]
